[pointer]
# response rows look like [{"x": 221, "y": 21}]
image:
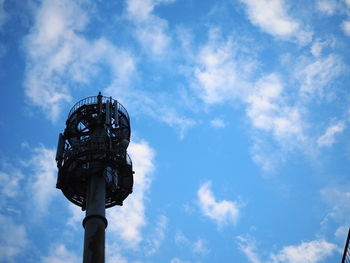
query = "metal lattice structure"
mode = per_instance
[
  {"x": 94, "y": 169},
  {"x": 346, "y": 254},
  {"x": 95, "y": 140}
]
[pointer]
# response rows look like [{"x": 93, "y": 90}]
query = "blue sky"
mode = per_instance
[{"x": 240, "y": 117}]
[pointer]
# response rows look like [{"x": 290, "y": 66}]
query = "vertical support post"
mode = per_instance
[
  {"x": 346, "y": 254},
  {"x": 95, "y": 221}
]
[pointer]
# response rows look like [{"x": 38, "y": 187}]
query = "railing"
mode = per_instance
[
  {"x": 93, "y": 100},
  {"x": 88, "y": 145},
  {"x": 99, "y": 144},
  {"x": 87, "y": 101}
]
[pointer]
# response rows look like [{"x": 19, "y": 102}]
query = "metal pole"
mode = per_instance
[
  {"x": 95, "y": 221},
  {"x": 345, "y": 258}
]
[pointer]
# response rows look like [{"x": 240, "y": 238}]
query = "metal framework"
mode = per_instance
[
  {"x": 346, "y": 254},
  {"x": 94, "y": 169}
]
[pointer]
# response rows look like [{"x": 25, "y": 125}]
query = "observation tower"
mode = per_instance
[{"x": 94, "y": 168}]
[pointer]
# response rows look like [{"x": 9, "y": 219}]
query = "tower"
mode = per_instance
[
  {"x": 346, "y": 254},
  {"x": 94, "y": 169}
]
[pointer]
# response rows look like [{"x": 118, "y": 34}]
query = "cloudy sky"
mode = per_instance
[{"x": 240, "y": 119}]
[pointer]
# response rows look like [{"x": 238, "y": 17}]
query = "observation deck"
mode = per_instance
[{"x": 95, "y": 141}]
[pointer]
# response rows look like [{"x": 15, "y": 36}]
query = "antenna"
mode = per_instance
[{"x": 94, "y": 168}]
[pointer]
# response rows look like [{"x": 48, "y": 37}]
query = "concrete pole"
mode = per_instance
[{"x": 95, "y": 221}]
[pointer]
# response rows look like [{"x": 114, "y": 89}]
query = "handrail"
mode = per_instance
[
  {"x": 90, "y": 145},
  {"x": 93, "y": 100}
]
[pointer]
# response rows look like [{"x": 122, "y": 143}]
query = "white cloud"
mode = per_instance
[
  {"x": 132, "y": 212},
  {"x": 150, "y": 30},
  {"x": 49, "y": 48},
  {"x": 59, "y": 58},
  {"x": 60, "y": 254},
  {"x": 316, "y": 75},
  {"x": 221, "y": 212},
  {"x": 247, "y": 245},
  {"x": 140, "y": 10},
  {"x": 153, "y": 37},
  {"x": 200, "y": 247},
  {"x": 9, "y": 183},
  {"x": 316, "y": 49},
  {"x": 345, "y": 26},
  {"x": 180, "y": 238},
  {"x": 220, "y": 76},
  {"x": 113, "y": 254},
  {"x": 41, "y": 187},
  {"x": 341, "y": 232},
  {"x": 173, "y": 119},
  {"x": 327, "y": 139},
  {"x": 269, "y": 111},
  {"x": 272, "y": 17},
  {"x": 13, "y": 239},
  {"x": 218, "y": 123},
  {"x": 338, "y": 200},
  {"x": 265, "y": 154},
  {"x": 327, "y": 7},
  {"x": 218, "y": 73},
  {"x": 215, "y": 75},
  {"x": 157, "y": 106},
  {"x": 156, "y": 239},
  {"x": 197, "y": 247},
  {"x": 77, "y": 215},
  {"x": 307, "y": 252},
  {"x": 177, "y": 260}
]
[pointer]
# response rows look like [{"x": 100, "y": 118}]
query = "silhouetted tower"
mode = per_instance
[
  {"x": 94, "y": 169},
  {"x": 346, "y": 254}
]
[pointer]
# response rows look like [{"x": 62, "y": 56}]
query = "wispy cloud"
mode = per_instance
[
  {"x": 161, "y": 108},
  {"x": 177, "y": 260},
  {"x": 197, "y": 247},
  {"x": 273, "y": 116},
  {"x": 220, "y": 76},
  {"x": 150, "y": 30},
  {"x": 315, "y": 75},
  {"x": 327, "y": 7},
  {"x": 157, "y": 238},
  {"x": 13, "y": 239},
  {"x": 43, "y": 180},
  {"x": 269, "y": 110},
  {"x": 10, "y": 183},
  {"x": 216, "y": 78},
  {"x": 338, "y": 200},
  {"x": 133, "y": 211},
  {"x": 218, "y": 123},
  {"x": 173, "y": 119},
  {"x": 113, "y": 253},
  {"x": 345, "y": 26},
  {"x": 200, "y": 247},
  {"x": 318, "y": 46},
  {"x": 76, "y": 216},
  {"x": 59, "y": 58},
  {"x": 60, "y": 254},
  {"x": 327, "y": 139},
  {"x": 306, "y": 252},
  {"x": 247, "y": 245},
  {"x": 222, "y": 212},
  {"x": 273, "y": 18},
  {"x": 310, "y": 252}
]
